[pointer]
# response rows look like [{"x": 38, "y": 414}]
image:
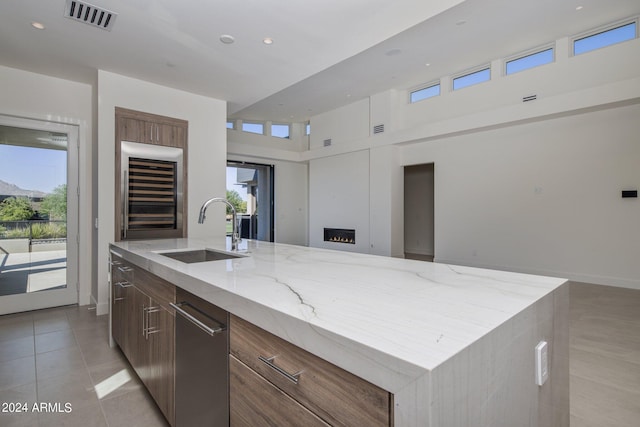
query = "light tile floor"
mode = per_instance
[{"x": 62, "y": 356}]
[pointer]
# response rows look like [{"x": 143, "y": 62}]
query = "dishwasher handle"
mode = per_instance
[{"x": 209, "y": 330}]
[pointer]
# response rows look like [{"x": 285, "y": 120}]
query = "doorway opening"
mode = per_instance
[
  {"x": 419, "y": 204},
  {"x": 250, "y": 190},
  {"x": 38, "y": 214}
]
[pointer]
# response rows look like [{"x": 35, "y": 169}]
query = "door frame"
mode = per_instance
[{"x": 70, "y": 294}]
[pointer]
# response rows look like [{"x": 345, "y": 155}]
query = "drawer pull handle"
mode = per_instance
[
  {"x": 211, "y": 331},
  {"x": 269, "y": 362},
  {"x": 124, "y": 284},
  {"x": 125, "y": 269}
]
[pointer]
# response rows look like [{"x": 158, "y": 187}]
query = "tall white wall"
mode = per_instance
[
  {"x": 35, "y": 96},
  {"x": 207, "y": 155},
  {"x": 541, "y": 197}
]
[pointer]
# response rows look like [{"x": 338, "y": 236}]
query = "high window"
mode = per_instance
[
  {"x": 424, "y": 93},
  {"x": 605, "y": 38},
  {"x": 253, "y": 127},
  {"x": 529, "y": 61},
  {"x": 471, "y": 79},
  {"x": 280, "y": 130},
  {"x": 230, "y": 124}
]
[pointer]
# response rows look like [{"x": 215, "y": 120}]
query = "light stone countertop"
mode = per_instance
[{"x": 388, "y": 320}]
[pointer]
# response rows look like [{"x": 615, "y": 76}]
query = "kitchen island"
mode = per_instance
[{"x": 453, "y": 345}]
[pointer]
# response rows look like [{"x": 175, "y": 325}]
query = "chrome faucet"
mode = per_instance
[{"x": 235, "y": 234}]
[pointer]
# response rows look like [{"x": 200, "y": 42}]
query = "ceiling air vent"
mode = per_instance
[
  {"x": 90, "y": 14},
  {"x": 378, "y": 129},
  {"x": 327, "y": 142},
  {"x": 529, "y": 98}
]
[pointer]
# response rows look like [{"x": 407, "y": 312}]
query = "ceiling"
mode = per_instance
[{"x": 324, "y": 54}]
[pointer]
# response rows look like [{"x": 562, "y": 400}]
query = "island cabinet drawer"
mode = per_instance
[
  {"x": 335, "y": 395},
  {"x": 254, "y": 401}
]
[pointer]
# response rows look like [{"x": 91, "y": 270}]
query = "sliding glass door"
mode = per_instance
[{"x": 38, "y": 214}]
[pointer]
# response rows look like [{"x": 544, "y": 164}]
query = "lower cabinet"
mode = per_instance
[
  {"x": 143, "y": 325},
  {"x": 256, "y": 402},
  {"x": 273, "y": 382}
]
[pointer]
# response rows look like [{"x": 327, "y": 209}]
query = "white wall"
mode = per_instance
[
  {"x": 35, "y": 96},
  {"x": 339, "y": 189},
  {"x": 340, "y": 125},
  {"x": 207, "y": 155},
  {"x": 541, "y": 197}
]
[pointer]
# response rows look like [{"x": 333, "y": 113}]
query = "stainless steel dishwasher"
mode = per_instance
[{"x": 202, "y": 362}]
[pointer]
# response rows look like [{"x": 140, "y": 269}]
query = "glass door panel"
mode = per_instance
[{"x": 38, "y": 216}]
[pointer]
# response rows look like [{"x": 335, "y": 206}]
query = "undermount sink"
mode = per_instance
[{"x": 200, "y": 255}]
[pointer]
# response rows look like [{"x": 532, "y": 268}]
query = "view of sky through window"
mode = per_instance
[
  {"x": 605, "y": 38},
  {"x": 253, "y": 127},
  {"x": 280, "y": 131},
  {"x": 530, "y": 61},
  {"x": 30, "y": 168},
  {"x": 472, "y": 79},
  {"x": 425, "y": 93}
]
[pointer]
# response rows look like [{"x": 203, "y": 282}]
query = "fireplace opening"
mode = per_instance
[{"x": 340, "y": 235}]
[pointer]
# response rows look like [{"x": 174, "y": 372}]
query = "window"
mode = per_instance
[
  {"x": 424, "y": 93},
  {"x": 230, "y": 124},
  {"x": 529, "y": 61},
  {"x": 280, "y": 131},
  {"x": 604, "y": 38},
  {"x": 307, "y": 129},
  {"x": 253, "y": 127},
  {"x": 472, "y": 78}
]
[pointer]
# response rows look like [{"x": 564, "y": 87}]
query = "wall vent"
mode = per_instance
[
  {"x": 378, "y": 129},
  {"x": 529, "y": 98},
  {"x": 90, "y": 14},
  {"x": 327, "y": 142}
]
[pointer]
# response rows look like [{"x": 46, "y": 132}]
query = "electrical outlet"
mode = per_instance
[{"x": 542, "y": 362}]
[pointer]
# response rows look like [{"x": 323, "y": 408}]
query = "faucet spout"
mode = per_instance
[{"x": 235, "y": 234}]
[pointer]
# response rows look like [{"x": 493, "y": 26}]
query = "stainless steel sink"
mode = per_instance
[{"x": 199, "y": 255}]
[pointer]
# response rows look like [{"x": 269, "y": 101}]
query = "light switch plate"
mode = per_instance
[{"x": 542, "y": 362}]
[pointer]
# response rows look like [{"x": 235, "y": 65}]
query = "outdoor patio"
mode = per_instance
[{"x": 24, "y": 272}]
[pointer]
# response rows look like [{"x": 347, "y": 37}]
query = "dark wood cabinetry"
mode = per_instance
[
  {"x": 330, "y": 393},
  {"x": 143, "y": 326}
]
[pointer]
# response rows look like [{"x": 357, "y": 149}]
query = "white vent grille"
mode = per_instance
[
  {"x": 89, "y": 14},
  {"x": 529, "y": 98},
  {"x": 378, "y": 129},
  {"x": 327, "y": 142}
]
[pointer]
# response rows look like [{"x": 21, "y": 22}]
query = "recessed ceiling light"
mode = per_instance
[
  {"x": 37, "y": 25},
  {"x": 393, "y": 52},
  {"x": 267, "y": 40},
  {"x": 427, "y": 65},
  {"x": 579, "y": 8},
  {"x": 227, "y": 39},
  {"x": 461, "y": 22}
]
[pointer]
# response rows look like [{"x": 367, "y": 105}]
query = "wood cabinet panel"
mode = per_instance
[
  {"x": 335, "y": 395},
  {"x": 256, "y": 402},
  {"x": 145, "y": 330}
]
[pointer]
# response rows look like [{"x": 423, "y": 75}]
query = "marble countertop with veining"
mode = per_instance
[{"x": 387, "y": 320}]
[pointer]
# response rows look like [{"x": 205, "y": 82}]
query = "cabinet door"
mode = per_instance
[
  {"x": 254, "y": 401},
  {"x": 161, "y": 356},
  {"x": 134, "y": 130}
]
